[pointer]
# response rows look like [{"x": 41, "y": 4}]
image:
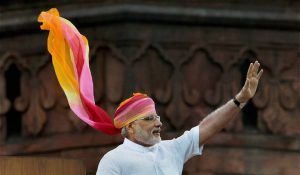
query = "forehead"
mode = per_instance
[{"x": 150, "y": 114}]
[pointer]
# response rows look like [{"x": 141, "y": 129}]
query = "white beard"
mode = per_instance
[{"x": 146, "y": 138}]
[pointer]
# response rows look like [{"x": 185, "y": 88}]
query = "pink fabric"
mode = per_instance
[{"x": 69, "y": 50}]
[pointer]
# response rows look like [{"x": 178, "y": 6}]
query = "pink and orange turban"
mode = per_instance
[
  {"x": 69, "y": 50},
  {"x": 138, "y": 106}
]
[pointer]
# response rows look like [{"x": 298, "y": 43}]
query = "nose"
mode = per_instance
[{"x": 158, "y": 123}]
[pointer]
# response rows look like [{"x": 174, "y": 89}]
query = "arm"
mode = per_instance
[{"x": 217, "y": 120}]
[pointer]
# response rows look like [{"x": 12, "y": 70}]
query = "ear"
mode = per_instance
[{"x": 130, "y": 128}]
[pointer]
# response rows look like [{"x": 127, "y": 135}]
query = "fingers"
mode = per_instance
[
  {"x": 249, "y": 72},
  {"x": 259, "y": 74},
  {"x": 255, "y": 68}
]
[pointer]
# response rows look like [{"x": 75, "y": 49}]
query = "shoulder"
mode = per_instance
[
  {"x": 113, "y": 154},
  {"x": 187, "y": 136},
  {"x": 109, "y": 163},
  {"x": 187, "y": 139}
]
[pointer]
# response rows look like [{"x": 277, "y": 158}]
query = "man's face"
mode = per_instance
[{"x": 146, "y": 131}]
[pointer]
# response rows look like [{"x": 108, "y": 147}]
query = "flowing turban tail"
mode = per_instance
[{"x": 69, "y": 50}]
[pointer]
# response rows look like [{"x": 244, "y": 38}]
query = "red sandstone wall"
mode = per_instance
[{"x": 189, "y": 56}]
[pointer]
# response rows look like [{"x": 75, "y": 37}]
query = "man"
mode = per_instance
[{"x": 143, "y": 152}]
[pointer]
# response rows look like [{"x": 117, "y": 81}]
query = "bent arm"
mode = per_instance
[{"x": 218, "y": 119}]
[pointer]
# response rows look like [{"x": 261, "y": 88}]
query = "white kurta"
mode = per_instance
[{"x": 164, "y": 158}]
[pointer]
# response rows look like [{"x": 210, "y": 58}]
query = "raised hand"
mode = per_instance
[{"x": 250, "y": 86}]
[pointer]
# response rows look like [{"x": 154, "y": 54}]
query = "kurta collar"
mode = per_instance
[{"x": 136, "y": 147}]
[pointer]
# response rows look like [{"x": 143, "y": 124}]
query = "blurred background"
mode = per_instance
[{"x": 189, "y": 56}]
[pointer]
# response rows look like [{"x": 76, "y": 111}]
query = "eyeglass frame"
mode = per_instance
[{"x": 150, "y": 118}]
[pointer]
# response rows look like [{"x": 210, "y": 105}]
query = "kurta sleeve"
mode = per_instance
[
  {"x": 108, "y": 167},
  {"x": 187, "y": 145}
]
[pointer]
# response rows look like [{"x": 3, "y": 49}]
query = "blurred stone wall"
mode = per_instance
[{"x": 190, "y": 56}]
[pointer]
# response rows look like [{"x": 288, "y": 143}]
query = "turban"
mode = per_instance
[
  {"x": 138, "y": 106},
  {"x": 69, "y": 50}
]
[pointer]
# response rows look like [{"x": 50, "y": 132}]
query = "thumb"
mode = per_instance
[{"x": 247, "y": 84}]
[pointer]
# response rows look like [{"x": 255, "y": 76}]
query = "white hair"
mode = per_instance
[{"x": 124, "y": 132}]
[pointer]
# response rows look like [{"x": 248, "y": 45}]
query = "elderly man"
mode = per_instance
[{"x": 143, "y": 152}]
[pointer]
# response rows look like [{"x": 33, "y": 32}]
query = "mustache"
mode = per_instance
[{"x": 157, "y": 130}]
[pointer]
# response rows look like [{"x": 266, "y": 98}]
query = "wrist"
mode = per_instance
[
  {"x": 240, "y": 98},
  {"x": 238, "y": 103}
]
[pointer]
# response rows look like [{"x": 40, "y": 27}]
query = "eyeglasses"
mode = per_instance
[{"x": 150, "y": 118}]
